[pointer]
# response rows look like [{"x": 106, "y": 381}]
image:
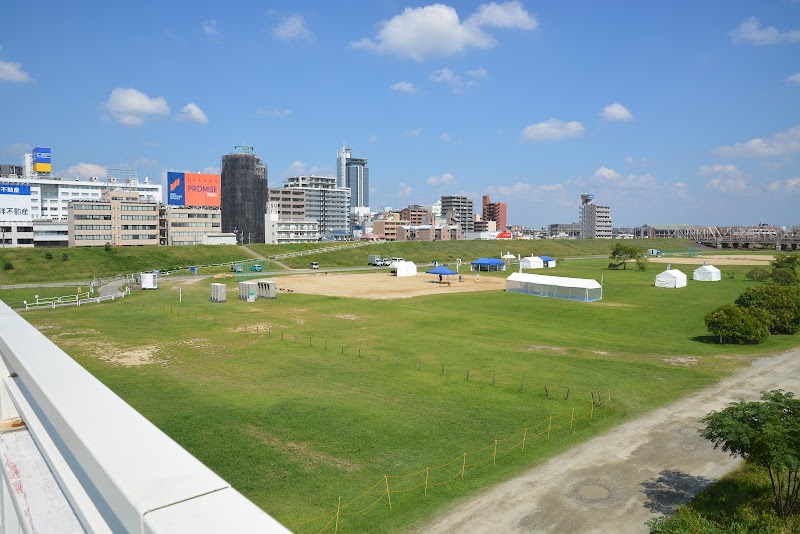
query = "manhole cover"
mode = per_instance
[{"x": 593, "y": 493}]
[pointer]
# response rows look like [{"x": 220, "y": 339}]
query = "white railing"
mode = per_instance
[
  {"x": 74, "y": 457},
  {"x": 64, "y": 301}
]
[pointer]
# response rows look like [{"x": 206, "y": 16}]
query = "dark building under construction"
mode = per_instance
[{"x": 244, "y": 195}]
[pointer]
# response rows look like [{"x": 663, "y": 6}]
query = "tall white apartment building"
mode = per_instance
[{"x": 595, "y": 220}]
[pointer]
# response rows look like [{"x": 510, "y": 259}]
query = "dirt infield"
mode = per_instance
[
  {"x": 714, "y": 259},
  {"x": 379, "y": 286}
]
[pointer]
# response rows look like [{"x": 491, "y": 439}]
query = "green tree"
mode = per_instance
[
  {"x": 642, "y": 263},
  {"x": 781, "y": 304},
  {"x": 732, "y": 324},
  {"x": 786, "y": 261},
  {"x": 623, "y": 253},
  {"x": 783, "y": 276},
  {"x": 757, "y": 274},
  {"x": 766, "y": 434}
]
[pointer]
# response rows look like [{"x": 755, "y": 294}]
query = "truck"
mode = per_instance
[
  {"x": 236, "y": 267},
  {"x": 375, "y": 260}
]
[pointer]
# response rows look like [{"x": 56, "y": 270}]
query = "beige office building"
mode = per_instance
[
  {"x": 187, "y": 225},
  {"x": 118, "y": 218}
]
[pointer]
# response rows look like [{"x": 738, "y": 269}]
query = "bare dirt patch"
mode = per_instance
[
  {"x": 715, "y": 259},
  {"x": 379, "y": 286},
  {"x": 681, "y": 361},
  {"x": 302, "y": 452},
  {"x": 345, "y": 316},
  {"x": 560, "y": 350}
]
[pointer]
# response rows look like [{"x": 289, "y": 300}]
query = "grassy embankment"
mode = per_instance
[{"x": 331, "y": 394}]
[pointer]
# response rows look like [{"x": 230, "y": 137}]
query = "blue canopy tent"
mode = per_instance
[
  {"x": 441, "y": 271},
  {"x": 548, "y": 261},
  {"x": 488, "y": 264}
]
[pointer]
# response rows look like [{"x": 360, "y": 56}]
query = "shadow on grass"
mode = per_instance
[
  {"x": 671, "y": 490},
  {"x": 709, "y": 340}
]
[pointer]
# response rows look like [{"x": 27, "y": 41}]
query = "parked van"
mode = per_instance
[
  {"x": 397, "y": 259},
  {"x": 313, "y": 265}
]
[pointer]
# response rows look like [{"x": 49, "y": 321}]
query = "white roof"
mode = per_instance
[
  {"x": 406, "y": 264},
  {"x": 673, "y": 272},
  {"x": 707, "y": 268},
  {"x": 586, "y": 283}
]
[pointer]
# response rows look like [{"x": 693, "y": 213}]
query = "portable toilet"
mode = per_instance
[
  {"x": 247, "y": 291},
  {"x": 149, "y": 280},
  {"x": 219, "y": 292},
  {"x": 266, "y": 289}
]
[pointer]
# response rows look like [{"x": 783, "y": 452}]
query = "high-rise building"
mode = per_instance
[
  {"x": 460, "y": 208},
  {"x": 494, "y": 211},
  {"x": 244, "y": 195},
  {"x": 353, "y": 174},
  {"x": 595, "y": 220},
  {"x": 324, "y": 202}
]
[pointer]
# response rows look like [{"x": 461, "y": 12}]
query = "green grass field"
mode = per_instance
[{"x": 304, "y": 399}]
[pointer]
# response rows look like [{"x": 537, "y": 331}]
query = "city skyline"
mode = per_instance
[{"x": 680, "y": 113}]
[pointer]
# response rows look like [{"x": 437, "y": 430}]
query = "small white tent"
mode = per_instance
[
  {"x": 405, "y": 268},
  {"x": 532, "y": 262},
  {"x": 707, "y": 273},
  {"x": 671, "y": 278}
]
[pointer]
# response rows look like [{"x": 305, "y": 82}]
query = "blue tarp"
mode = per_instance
[
  {"x": 441, "y": 270},
  {"x": 488, "y": 261},
  {"x": 547, "y": 258}
]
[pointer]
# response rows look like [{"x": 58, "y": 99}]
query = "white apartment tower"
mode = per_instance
[{"x": 595, "y": 220}]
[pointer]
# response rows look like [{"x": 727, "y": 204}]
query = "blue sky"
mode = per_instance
[{"x": 669, "y": 112}]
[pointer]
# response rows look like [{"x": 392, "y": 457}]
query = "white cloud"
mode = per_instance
[
  {"x": 414, "y": 133},
  {"x": 130, "y": 107},
  {"x": 445, "y": 179},
  {"x": 616, "y": 112},
  {"x": 552, "y": 129},
  {"x": 437, "y": 31},
  {"x": 480, "y": 72},
  {"x": 522, "y": 190},
  {"x": 794, "y": 78},
  {"x": 404, "y": 87},
  {"x": 724, "y": 185},
  {"x": 729, "y": 170},
  {"x": 780, "y": 144},
  {"x": 285, "y": 112},
  {"x": 445, "y": 137},
  {"x": 606, "y": 175},
  {"x": 632, "y": 162},
  {"x": 752, "y": 31},
  {"x": 296, "y": 168},
  {"x": 18, "y": 149},
  {"x": 86, "y": 170},
  {"x": 405, "y": 190},
  {"x": 292, "y": 29},
  {"x": 793, "y": 184},
  {"x": 445, "y": 75},
  {"x": 210, "y": 28},
  {"x": 772, "y": 187},
  {"x": 12, "y": 72},
  {"x": 191, "y": 112}
]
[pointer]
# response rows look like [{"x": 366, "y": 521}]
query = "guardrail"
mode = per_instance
[
  {"x": 76, "y": 457},
  {"x": 58, "y": 303}
]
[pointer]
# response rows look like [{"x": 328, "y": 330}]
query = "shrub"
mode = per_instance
[
  {"x": 784, "y": 276},
  {"x": 107, "y": 247},
  {"x": 7, "y": 266},
  {"x": 641, "y": 263},
  {"x": 781, "y": 305},
  {"x": 48, "y": 255},
  {"x": 732, "y": 324},
  {"x": 614, "y": 266},
  {"x": 757, "y": 274},
  {"x": 64, "y": 256}
]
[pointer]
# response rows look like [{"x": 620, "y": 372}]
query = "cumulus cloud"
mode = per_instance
[
  {"x": 292, "y": 28},
  {"x": 729, "y": 170},
  {"x": 752, "y": 31},
  {"x": 191, "y": 112},
  {"x": 296, "y": 168},
  {"x": 552, "y": 129},
  {"x": 447, "y": 76},
  {"x": 525, "y": 190},
  {"x": 405, "y": 190},
  {"x": 210, "y": 28},
  {"x": 610, "y": 176},
  {"x": 793, "y": 184},
  {"x": 616, "y": 112},
  {"x": 780, "y": 144},
  {"x": 130, "y": 107},
  {"x": 404, "y": 87},
  {"x": 445, "y": 137},
  {"x": 18, "y": 149},
  {"x": 724, "y": 185},
  {"x": 772, "y": 187},
  {"x": 437, "y": 31},
  {"x": 285, "y": 112},
  {"x": 86, "y": 170},
  {"x": 480, "y": 72},
  {"x": 445, "y": 179},
  {"x": 794, "y": 78},
  {"x": 12, "y": 72}
]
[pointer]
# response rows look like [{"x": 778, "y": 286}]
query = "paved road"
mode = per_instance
[{"x": 617, "y": 481}]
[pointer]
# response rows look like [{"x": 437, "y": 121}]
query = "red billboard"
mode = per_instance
[{"x": 191, "y": 189}]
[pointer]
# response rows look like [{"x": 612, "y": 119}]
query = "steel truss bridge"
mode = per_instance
[{"x": 732, "y": 236}]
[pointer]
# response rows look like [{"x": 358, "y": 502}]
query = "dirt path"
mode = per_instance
[{"x": 617, "y": 481}]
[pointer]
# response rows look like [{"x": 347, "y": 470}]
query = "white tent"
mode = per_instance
[
  {"x": 532, "y": 262},
  {"x": 404, "y": 268},
  {"x": 582, "y": 289},
  {"x": 671, "y": 278},
  {"x": 707, "y": 273}
]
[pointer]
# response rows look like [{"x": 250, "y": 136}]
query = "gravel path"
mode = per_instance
[{"x": 617, "y": 481}]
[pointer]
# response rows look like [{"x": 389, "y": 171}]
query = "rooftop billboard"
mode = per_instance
[
  {"x": 15, "y": 202},
  {"x": 190, "y": 189},
  {"x": 41, "y": 159}
]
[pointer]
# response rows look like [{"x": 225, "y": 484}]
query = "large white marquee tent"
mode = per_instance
[
  {"x": 560, "y": 287},
  {"x": 404, "y": 268},
  {"x": 671, "y": 278},
  {"x": 532, "y": 262},
  {"x": 707, "y": 273}
]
